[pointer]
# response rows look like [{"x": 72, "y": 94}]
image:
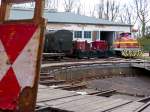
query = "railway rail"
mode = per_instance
[
  {"x": 71, "y": 61},
  {"x": 72, "y": 96},
  {"x": 67, "y": 59},
  {"x": 71, "y": 101}
]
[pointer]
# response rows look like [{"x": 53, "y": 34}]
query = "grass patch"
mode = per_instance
[{"x": 145, "y": 43}]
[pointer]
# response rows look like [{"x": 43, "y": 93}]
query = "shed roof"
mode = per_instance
[{"x": 63, "y": 17}]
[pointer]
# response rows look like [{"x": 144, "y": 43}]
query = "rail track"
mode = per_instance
[
  {"x": 62, "y": 94},
  {"x": 67, "y": 59},
  {"x": 58, "y": 100}
]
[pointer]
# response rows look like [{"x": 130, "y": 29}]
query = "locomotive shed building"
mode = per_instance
[{"x": 83, "y": 27}]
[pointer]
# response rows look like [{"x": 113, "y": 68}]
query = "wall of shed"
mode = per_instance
[
  {"x": 52, "y": 26},
  {"x": 81, "y": 27}
]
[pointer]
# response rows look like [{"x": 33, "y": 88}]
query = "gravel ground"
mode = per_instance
[{"x": 136, "y": 86}]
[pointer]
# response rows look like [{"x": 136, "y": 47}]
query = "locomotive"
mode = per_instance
[
  {"x": 58, "y": 44},
  {"x": 95, "y": 49},
  {"x": 127, "y": 46},
  {"x": 58, "y": 41}
]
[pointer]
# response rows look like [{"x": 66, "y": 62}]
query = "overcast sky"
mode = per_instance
[
  {"x": 91, "y": 3},
  {"x": 87, "y": 6},
  {"x": 97, "y": 1}
]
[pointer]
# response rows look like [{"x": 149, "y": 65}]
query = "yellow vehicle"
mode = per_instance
[{"x": 127, "y": 46}]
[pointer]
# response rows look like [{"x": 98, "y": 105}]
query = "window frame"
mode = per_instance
[
  {"x": 77, "y": 35},
  {"x": 89, "y": 34}
]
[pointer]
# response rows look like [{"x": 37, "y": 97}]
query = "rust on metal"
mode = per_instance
[{"x": 21, "y": 43}]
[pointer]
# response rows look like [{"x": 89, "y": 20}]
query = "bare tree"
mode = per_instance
[
  {"x": 128, "y": 15},
  {"x": 123, "y": 14},
  {"x": 111, "y": 10},
  {"x": 101, "y": 9},
  {"x": 79, "y": 9},
  {"x": 91, "y": 11},
  {"x": 51, "y": 4},
  {"x": 142, "y": 10},
  {"x": 69, "y": 5},
  {"x": 114, "y": 10},
  {"x": 108, "y": 9}
]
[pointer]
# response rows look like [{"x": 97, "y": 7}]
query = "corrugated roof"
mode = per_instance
[{"x": 63, "y": 17}]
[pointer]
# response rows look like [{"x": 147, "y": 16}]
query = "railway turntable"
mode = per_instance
[
  {"x": 57, "y": 100},
  {"x": 20, "y": 53}
]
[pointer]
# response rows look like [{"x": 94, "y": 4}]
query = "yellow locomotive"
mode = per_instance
[{"x": 127, "y": 46}]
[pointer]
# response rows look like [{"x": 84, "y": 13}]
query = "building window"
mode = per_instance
[
  {"x": 87, "y": 34},
  {"x": 78, "y": 34}
]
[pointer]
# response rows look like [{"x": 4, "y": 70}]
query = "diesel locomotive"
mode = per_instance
[{"x": 127, "y": 46}]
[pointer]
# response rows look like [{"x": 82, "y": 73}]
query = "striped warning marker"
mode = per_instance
[{"x": 18, "y": 54}]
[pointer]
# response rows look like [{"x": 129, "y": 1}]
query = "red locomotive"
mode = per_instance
[{"x": 95, "y": 49}]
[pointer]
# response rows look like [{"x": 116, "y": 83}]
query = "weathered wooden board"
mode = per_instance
[
  {"x": 97, "y": 105},
  {"x": 64, "y": 100},
  {"x": 131, "y": 107},
  {"x": 146, "y": 109},
  {"x": 114, "y": 104},
  {"x": 71, "y": 101},
  {"x": 81, "y": 102},
  {"x": 53, "y": 94}
]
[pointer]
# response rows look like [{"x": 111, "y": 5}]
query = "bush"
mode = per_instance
[{"x": 145, "y": 43}]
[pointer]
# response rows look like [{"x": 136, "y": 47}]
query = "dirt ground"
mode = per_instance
[{"x": 134, "y": 86}]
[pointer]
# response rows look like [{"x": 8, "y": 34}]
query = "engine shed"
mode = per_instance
[{"x": 83, "y": 27}]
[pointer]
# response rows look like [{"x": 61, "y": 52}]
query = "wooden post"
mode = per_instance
[
  {"x": 4, "y": 11},
  {"x": 38, "y": 14}
]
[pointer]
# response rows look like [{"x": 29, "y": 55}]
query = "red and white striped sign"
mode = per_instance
[{"x": 19, "y": 45}]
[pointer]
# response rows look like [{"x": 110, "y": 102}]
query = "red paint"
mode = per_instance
[
  {"x": 100, "y": 45},
  {"x": 81, "y": 45},
  {"x": 9, "y": 91},
  {"x": 14, "y": 38}
]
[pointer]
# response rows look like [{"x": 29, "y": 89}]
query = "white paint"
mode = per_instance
[
  {"x": 80, "y": 27},
  {"x": 25, "y": 64},
  {"x": 4, "y": 66},
  {"x": 82, "y": 93}
]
